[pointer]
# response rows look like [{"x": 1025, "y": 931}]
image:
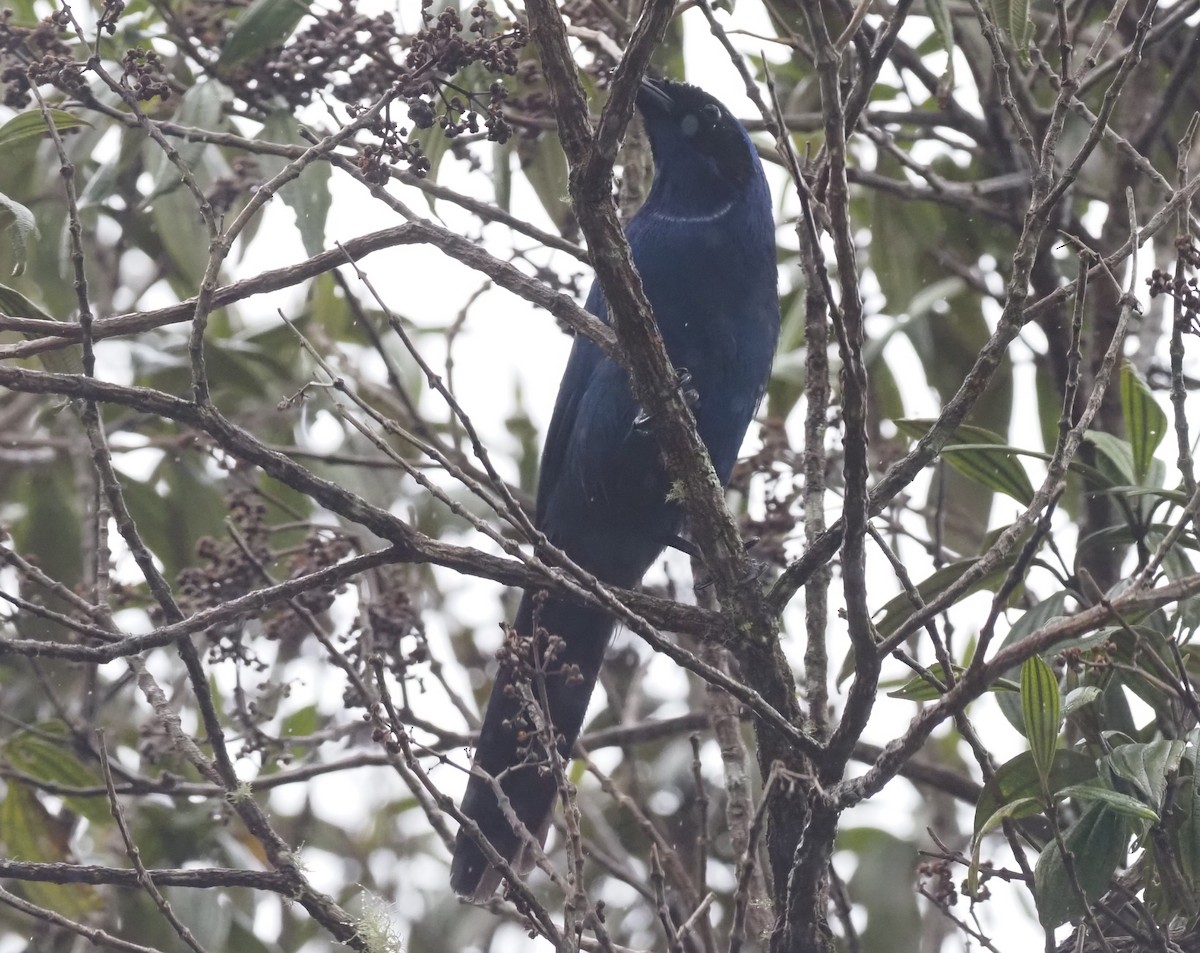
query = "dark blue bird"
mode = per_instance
[{"x": 704, "y": 245}]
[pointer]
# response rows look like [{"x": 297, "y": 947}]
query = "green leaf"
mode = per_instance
[
  {"x": 264, "y": 25},
  {"x": 31, "y": 123},
  {"x": 1145, "y": 420},
  {"x": 1012, "y": 16},
  {"x": 1042, "y": 712},
  {"x": 903, "y": 234},
  {"x": 178, "y": 225},
  {"x": 1019, "y": 778},
  {"x": 1000, "y": 9},
  {"x": 919, "y": 688},
  {"x": 980, "y": 455},
  {"x": 30, "y": 833},
  {"x": 1098, "y": 845},
  {"x": 1013, "y": 810},
  {"x": 887, "y": 861},
  {"x": 65, "y": 360},
  {"x": 308, "y": 194},
  {"x": 202, "y": 107},
  {"x": 1147, "y": 767},
  {"x": 502, "y": 175},
  {"x": 54, "y": 762},
  {"x": 1097, "y": 793},
  {"x": 1078, "y": 698},
  {"x": 545, "y": 167},
  {"x": 208, "y": 914},
  {"x": 1118, "y": 453},
  {"x": 900, "y": 607},
  {"x": 939, "y": 16},
  {"x": 1032, "y": 620},
  {"x": 1019, "y": 23},
  {"x": 1189, "y": 830},
  {"x": 18, "y": 221}
]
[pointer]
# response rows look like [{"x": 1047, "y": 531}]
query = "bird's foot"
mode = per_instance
[
  {"x": 691, "y": 397},
  {"x": 685, "y": 546},
  {"x": 757, "y": 569}
]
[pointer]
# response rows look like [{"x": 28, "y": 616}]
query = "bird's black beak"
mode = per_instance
[{"x": 653, "y": 98}]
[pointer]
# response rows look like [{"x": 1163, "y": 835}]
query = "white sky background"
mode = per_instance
[{"x": 505, "y": 343}]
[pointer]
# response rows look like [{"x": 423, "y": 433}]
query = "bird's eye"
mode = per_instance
[{"x": 710, "y": 113}]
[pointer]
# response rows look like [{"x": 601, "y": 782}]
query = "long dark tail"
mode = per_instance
[{"x": 505, "y": 743}]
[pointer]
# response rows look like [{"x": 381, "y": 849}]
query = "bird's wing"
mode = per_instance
[{"x": 577, "y": 376}]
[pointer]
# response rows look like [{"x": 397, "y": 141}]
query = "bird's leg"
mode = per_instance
[
  {"x": 756, "y": 568},
  {"x": 685, "y": 546},
  {"x": 691, "y": 397}
]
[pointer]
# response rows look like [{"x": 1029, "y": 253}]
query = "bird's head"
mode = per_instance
[{"x": 703, "y": 158}]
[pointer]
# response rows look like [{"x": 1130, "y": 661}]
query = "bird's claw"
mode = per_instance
[
  {"x": 691, "y": 397},
  {"x": 757, "y": 568}
]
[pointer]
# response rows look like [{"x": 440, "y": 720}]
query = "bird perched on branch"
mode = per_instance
[{"x": 704, "y": 246}]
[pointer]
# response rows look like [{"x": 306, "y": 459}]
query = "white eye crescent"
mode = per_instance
[{"x": 689, "y": 125}]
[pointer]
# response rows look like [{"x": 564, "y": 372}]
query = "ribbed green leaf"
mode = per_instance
[
  {"x": 1042, "y": 712},
  {"x": 900, "y": 607},
  {"x": 1000, "y": 10},
  {"x": 1032, "y": 620},
  {"x": 1145, "y": 420},
  {"x": 903, "y": 235}
]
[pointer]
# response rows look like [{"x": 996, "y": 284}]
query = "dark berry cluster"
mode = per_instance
[
  {"x": 209, "y": 22},
  {"x": 350, "y": 52},
  {"x": 392, "y": 147},
  {"x": 390, "y": 623},
  {"x": 1097, "y": 658},
  {"x": 34, "y": 55},
  {"x": 529, "y": 102},
  {"x": 143, "y": 74},
  {"x": 1185, "y": 290},
  {"x": 233, "y": 568},
  {"x": 357, "y": 58},
  {"x": 225, "y": 191},
  {"x": 321, "y": 550},
  {"x": 107, "y": 22},
  {"x": 937, "y": 882}
]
